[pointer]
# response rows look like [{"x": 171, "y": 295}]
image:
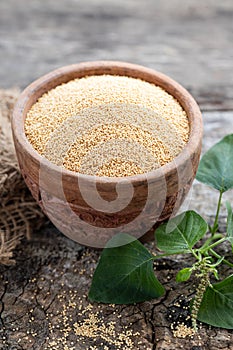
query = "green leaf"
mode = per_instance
[
  {"x": 181, "y": 233},
  {"x": 229, "y": 224},
  {"x": 217, "y": 304},
  {"x": 216, "y": 166},
  {"x": 125, "y": 274},
  {"x": 184, "y": 275}
]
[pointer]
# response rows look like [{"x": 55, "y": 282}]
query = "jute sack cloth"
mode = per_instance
[{"x": 19, "y": 213}]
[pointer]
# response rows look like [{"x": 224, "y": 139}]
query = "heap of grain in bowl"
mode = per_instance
[{"x": 107, "y": 125}]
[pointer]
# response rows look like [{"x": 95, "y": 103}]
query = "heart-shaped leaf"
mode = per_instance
[
  {"x": 216, "y": 166},
  {"x": 229, "y": 224},
  {"x": 125, "y": 274},
  {"x": 181, "y": 233},
  {"x": 184, "y": 275},
  {"x": 217, "y": 304}
]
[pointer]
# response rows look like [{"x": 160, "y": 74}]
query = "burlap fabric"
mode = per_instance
[{"x": 19, "y": 213}]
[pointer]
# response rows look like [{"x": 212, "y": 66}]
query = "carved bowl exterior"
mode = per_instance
[{"x": 157, "y": 195}]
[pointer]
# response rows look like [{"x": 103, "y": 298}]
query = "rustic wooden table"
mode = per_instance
[{"x": 43, "y": 296}]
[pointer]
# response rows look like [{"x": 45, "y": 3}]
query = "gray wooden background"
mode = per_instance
[{"x": 190, "y": 40}]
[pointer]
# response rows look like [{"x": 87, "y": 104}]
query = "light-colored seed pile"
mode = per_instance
[
  {"x": 183, "y": 331},
  {"x": 90, "y": 327},
  {"x": 94, "y": 326},
  {"x": 108, "y": 126},
  {"x": 67, "y": 319}
]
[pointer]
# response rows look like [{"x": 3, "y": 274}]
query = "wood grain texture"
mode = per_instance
[
  {"x": 51, "y": 265},
  {"x": 191, "y": 41},
  {"x": 157, "y": 194}
]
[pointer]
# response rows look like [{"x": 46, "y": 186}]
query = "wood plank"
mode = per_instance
[
  {"x": 189, "y": 40},
  {"x": 44, "y": 301}
]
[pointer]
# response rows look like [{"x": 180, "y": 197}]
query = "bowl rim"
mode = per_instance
[{"x": 128, "y": 69}]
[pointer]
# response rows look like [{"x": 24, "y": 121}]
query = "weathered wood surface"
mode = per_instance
[
  {"x": 51, "y": 271},
  {"x": 189, "y": 40}
]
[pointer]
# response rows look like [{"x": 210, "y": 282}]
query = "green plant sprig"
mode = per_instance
[{"x": 125, "y": 273}]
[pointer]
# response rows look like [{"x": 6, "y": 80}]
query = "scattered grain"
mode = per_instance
[{"x": 183, "y": 331}]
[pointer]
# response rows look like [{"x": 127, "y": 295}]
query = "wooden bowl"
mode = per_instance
[{"x": 65, "y": 196}]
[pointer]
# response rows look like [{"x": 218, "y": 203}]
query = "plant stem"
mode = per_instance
[
  {"x": 215, "y": 226},
  {"x": 219, "y": 257},
  {"x": 155, "y": 257},
  {"x": 195, "y": 255},
  {"x": 211, "y": 239},
  {"x": 215, "y": 244}
]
